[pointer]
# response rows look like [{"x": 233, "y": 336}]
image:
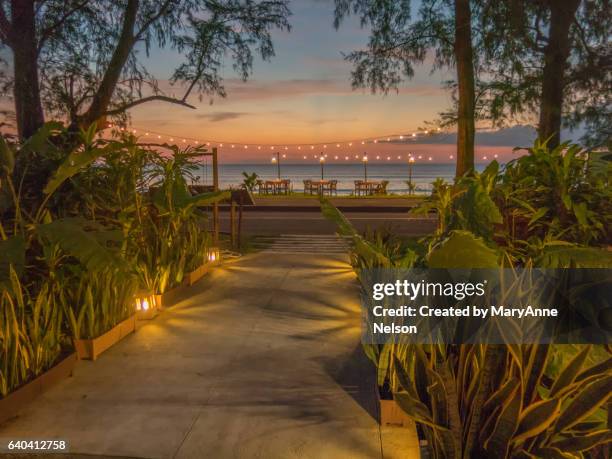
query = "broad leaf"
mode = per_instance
[
  {"x": 461, "y": 249},
  {"x": 536, "y": 419},
  {"x": 593, "y": 396},
  {"x": 584, "y": 442},
  {"x": 71, "y": 236},
  {"x": 77, "y": 160}
]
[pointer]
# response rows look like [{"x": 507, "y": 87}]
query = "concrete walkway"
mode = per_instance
[{"x": 262, "y": 360}]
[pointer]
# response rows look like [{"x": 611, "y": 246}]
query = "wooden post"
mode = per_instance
[
  {"x": 240, "y": 222},
  {"x": 233, "y": 223},
  {"x": 215, "y": 165}
]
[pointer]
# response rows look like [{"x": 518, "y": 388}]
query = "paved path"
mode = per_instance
[
  {"x": 301, "y": 244},
  {"x": 261, "y": 361},
  {"x": 275, "y": 223}
]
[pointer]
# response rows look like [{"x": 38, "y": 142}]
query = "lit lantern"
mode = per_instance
[
  {"x": 214, "y": 255},
  {"x": 146, "y": 305}
]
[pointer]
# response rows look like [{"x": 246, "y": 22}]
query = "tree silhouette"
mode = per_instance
[{"x": 83, "y": 58}]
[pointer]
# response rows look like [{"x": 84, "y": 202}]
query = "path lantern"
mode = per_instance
[
  {"x": 365, "y": 167},
  {"x": 213, "y": 255},
  {"x": 146, "y": 304}
]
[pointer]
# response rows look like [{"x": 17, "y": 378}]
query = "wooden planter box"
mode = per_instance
[
  {"x": 90, "y": 349},
  {"x": 170, "y": 297},
  {"x": 149, "y": 314},
  {"x": 194, "y": 276},
  {"x": 391, "y": 413},
  {"x": 13, "y": 402}
]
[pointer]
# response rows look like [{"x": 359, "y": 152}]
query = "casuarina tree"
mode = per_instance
[{"x": 83, "y": 59}]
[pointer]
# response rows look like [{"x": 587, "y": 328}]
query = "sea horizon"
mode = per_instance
[{"x": 230, "y": 174}]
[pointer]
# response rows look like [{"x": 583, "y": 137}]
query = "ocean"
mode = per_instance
[{"x": 230, "y": 175}]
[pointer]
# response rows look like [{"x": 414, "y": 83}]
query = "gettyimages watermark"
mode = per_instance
[{"x": 494, "y": 306}]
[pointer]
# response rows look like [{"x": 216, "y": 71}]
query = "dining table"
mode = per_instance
[
  {"x": 320, "y": 184},
  {"x": 277, "y": 186},
  {"x": 368, "y": 187}
]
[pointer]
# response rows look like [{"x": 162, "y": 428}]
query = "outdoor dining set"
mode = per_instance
[{"x": 321, "y": 187}]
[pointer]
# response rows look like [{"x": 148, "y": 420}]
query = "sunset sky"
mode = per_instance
[{"x": 304, "y": 96}]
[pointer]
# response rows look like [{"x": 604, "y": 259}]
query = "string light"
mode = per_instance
[{"x": 287, "y": 147}]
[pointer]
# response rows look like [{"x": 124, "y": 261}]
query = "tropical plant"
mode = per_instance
[
  {"x": 411, "y": 186},
  {"x": 250, "y": 180},
  {"x": 99, "y": 300},
  {"x": 31, "y": 334},
  {"x": 495, "y": 401},
  {"x": 172, "y": 237},
  {"x": 558, "y": 192},
  {"x": 492, "y": 400},
  {"x": 63, "y": 275}
]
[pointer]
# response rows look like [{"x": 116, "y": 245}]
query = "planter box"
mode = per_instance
[
  {"x": 392, "y": 414},
  {"x": 170, "y": 297},
  {"x": 90, "y": 349},
  {"x": 149, "y": 314},
  {"x": 13, "y": 402},
  {"x": 194, "y": 276}
]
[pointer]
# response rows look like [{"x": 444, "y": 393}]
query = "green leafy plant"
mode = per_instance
[
  {"x": 491, "y": 400},
  {"x": 99, "y": 301},
  {"x": 31, "y": 335},
  {"x": 250, "y": 181}
]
